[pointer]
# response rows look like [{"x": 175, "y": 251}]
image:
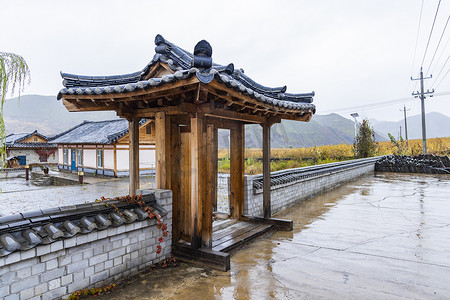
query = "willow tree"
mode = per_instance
[{"x": 14, "y": 73}]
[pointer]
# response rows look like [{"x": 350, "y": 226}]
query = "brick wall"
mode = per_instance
[
  {"x": 91, "y": 260},
  {"x": 289, "y": 194}
]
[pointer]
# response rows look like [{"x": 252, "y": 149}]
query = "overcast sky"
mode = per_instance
[{"x": 351, "y": 53}]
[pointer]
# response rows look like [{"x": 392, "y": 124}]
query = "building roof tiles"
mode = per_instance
[
  {"x": 184, "y": 64},
  {"x": 90, "y": 132}
]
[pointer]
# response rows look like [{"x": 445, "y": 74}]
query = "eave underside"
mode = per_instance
[{"x": 185, "y": 97}]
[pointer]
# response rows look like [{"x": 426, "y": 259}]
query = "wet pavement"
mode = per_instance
[
  {"x": 384, "y": 236},
  {"x": 18, "y": 195}
]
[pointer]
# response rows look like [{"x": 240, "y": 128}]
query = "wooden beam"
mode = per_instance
[
  {"x": 211, "y": 189},
  {"x": 213, "y": 140},
  {"x": 202, "y": 257},
  {"x": 279, "y": 224},
  {"x": 156, "y": 91},
  {"x": 201, "y": 94},
  {"x": 134, "y": 155},
  {"x": 237, "y": 171},
  {"x": 162, "y": 145},
  {"x": 175, "y": 153},
  {"x": 266, "y": 170},
  {"x": 198, "y": 178},
  {"x": 236, "y": 116}
]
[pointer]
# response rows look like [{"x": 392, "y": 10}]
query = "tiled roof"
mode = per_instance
[
  {"x": 27, "y": 230},
  {"x": 13, "y": 140},
  {"x": 100, "y": 132},
  {"x": 185, "y": 65},
  {"x": 18, "y": 137},
  {"x": 32, "y": 145}
]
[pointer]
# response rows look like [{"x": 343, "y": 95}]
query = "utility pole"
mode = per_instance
[
  {"x": 406, "y": 126},
  {"x": 421, "y": 95}
]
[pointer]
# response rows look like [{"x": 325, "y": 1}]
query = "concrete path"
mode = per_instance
[
  {"x": 385, "y": 236},
  {"x": 18, "y": 195}
]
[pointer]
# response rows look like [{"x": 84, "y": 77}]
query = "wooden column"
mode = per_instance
[
  {"x": 211, "y": 189},
  {"x": 175, "y": 153},
  {"x": 198, "y": 179},
  {"x": 133, "y": 123},
  {"x": 266, "y": 171},
  {"x": 185, "y": 185},
  {"x": 237, "y": 171},
  {"x": 162, "y": 144}
]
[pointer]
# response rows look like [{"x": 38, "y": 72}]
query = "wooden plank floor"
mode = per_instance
[{"x": 237, "y": 234}]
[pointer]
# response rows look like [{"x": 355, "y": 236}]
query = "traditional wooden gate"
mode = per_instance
[{"x": 190, "y": 98}]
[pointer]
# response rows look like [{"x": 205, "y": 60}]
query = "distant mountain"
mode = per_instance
[
  {"x": 437, "y": 125},
  {"x": 45, "y": 114},
  {"x": 49, "y": 117},
  {"x": 329, "y": 129}
]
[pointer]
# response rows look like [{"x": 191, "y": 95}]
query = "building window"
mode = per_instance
[
  {"x": 65, "y": 156},
  {"x": 80, "y": 156},
  {"x": 99, "y": 158},
  {"x": 148, "y": 129},
  {"x": 35, "y": 139}
]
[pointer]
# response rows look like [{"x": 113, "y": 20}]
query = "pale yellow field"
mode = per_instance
[{"x": 300, "y": 157}]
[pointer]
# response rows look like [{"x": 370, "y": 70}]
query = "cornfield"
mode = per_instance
[{"x": 286, "y": 158}]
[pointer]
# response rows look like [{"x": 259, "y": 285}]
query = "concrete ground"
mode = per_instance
[
  {"x": 384, "y": 236},
  {"x": 18, "y": 195}
]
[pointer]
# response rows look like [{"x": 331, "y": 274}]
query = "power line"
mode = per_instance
[
  {"x": 378, "y": 104},
  {"x": 442, "y": 53},
  {"x": 437, "y": 77},
  {"x": 417, "y": 38},
  {"x": 440, "y": 39},
  {"x": 431, "y": 32},
  {"x": 443, "y": 78}
]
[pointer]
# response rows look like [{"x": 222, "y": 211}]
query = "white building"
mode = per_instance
[
  {"x": 30, "y": 148},
  {"x": 102, "y": 148}
]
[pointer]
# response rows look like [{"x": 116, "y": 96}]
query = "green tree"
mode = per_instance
[
  {"x": 402, "y": 147},
  {"x": 364, "y": 144},
  {"x": 14, "y": 73}
]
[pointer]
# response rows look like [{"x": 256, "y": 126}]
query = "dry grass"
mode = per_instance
[{"x": 301, "y": 157}]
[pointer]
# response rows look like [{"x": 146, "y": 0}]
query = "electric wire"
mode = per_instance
[
  {"x": 379, "y": 104},
  {"x": 440, "y": 56},
  {"x": 439, "y": 74},
  {"x": 443, "y": 78},
  {"x": 431, "y": 33},
  {"x": 439, "y": 43},
  {"x": 417, "y": 38}
]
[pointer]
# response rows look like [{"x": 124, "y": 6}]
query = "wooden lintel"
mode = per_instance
[
  {"x": 232, "y": 115},
  {"x": 221, "y": 123}
]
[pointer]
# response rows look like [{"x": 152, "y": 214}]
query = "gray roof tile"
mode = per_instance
[{"x": 182, "y": 62}]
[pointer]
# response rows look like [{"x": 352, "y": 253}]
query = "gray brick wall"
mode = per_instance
[
  {"x": 92, "y": 260},
  {"x": 284, "y": 196}
]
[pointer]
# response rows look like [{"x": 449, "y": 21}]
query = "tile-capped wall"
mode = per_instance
[
  {"x": 288, "y": 194},
  {"x": 90, "y": 260}
]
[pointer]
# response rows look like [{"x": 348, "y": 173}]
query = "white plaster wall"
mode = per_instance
[
  {"x": 32, "y": 156},
  {"x": 122, "y": 160},
  {"x": 146, "y": 158},
  {"x": 90, "y": 158},
  {"x": 60, "y": 156},
  {"x": 108, "y": 159}
]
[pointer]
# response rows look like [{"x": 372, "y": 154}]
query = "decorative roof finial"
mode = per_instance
[{"x": 202, "y": 55}]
